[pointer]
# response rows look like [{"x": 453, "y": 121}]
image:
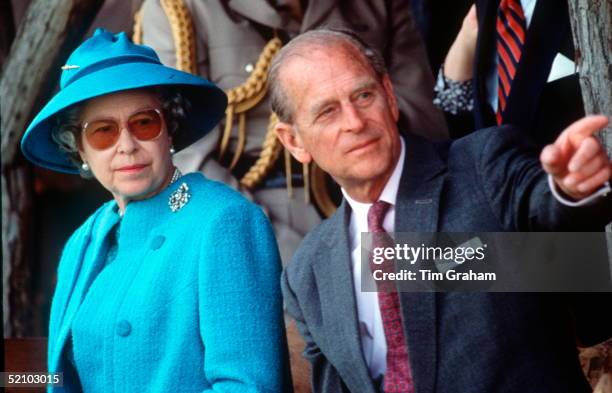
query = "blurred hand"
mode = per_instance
[{"x": 577, "y": 161}]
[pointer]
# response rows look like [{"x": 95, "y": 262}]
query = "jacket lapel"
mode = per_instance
[
  {"x": 334, "y": 278},
  {"x": 417, "y": 210},
  {"x": 92, "y": 254},
  {"x": 418, "y": 197},
  {"x": 485, "y": 60}
]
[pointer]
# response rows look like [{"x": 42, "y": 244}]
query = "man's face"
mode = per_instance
[{"x": 344, "y": 117}]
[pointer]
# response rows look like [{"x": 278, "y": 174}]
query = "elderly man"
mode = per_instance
[{"x": 337, "y": 107}]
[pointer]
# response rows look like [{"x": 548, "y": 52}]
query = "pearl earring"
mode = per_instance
[
  {"x": 172, "y": 151},
  {"x": 85, "y": 167}
]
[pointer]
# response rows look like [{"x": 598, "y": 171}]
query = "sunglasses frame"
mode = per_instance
[{"x": 158, "y": 111}]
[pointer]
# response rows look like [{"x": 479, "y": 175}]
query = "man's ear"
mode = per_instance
[
  {"x": 292, "y": 141},
  {"x": 392, "y": 101}
]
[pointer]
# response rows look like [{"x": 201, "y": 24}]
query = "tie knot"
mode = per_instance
[{"x": 376, "y": 216}]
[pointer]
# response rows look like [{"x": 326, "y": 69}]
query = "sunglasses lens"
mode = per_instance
[
  {"x": 145, "y": 125},
  {"x": 102, "y": 134}
]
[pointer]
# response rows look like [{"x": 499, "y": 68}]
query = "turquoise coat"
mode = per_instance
[{"x": 191, "y": 303}]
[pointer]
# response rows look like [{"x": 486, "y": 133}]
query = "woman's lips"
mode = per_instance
[{"x": 131, "y": 168}]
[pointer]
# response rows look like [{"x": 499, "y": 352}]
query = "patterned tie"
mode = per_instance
[
  {"x": 511, "y": 29},
  {"x": 398, "y": 377}
]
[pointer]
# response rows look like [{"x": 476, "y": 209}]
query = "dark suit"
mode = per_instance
[
  {"x": 542, "y": 109},
  {"x": 458, "y": 342}
]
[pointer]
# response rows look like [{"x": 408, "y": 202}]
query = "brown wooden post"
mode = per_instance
[{"x": 50, "y": 30}]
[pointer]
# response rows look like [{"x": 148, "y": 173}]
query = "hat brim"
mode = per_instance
[{"x": 208, "y": 104}]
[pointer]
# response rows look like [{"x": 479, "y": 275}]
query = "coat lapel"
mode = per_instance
[
  {"x": 92, "y": 255},
  {"x": 485, "y": 60},
  {"x": 417, "y": 210},
  {"x": 334, "y": 278}
]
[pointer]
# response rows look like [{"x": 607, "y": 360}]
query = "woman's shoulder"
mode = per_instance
[{"x": 214, "y": 194}]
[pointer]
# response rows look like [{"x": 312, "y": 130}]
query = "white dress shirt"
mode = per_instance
[{"x": 373, "y": 342}]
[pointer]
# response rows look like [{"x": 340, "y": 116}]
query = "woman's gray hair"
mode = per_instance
[
  {"x": 67, "y": 131},
  {"x": 323, "y": 37}
]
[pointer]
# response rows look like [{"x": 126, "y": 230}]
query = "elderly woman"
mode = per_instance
[{"x": 172, "y": 286}]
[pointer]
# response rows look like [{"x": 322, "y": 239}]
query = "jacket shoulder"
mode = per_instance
[{"x": 215, "y": 195}]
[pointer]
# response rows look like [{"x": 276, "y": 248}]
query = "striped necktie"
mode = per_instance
[{"x": 511, "y": 30}]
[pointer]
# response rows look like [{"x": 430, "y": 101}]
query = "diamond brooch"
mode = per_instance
[{"x": 179, "y": 198}]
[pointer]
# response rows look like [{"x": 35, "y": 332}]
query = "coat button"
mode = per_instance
[
  {"x": 157, "y": 242},
  {"x": 124, "y": 328}
]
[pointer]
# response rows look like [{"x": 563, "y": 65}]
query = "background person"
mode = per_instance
[{"x": 512, "y": 63}]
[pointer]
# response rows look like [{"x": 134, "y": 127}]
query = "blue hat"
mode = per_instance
[{"x": 108, "y": 63}]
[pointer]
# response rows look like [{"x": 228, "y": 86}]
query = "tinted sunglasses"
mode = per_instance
[{"x": 144, "y": 126}]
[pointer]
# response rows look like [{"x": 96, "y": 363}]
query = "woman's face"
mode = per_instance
[{"x": 130, "y": 168}]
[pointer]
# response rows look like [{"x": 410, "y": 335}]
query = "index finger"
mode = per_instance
[{"x": 581, "y": 129}]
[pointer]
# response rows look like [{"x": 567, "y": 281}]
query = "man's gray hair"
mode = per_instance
[{"x": 324, "y": 37}]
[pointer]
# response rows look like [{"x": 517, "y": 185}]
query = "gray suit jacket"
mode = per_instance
[{"x": 458, "y": 342}]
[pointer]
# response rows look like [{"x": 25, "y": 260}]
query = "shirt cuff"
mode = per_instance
[
  {"x": 603, "y": 191},
  {"x": 453, "y": 96}
]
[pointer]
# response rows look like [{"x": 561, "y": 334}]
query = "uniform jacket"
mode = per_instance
[
  {"x": 195, "y": 303},
  {"x": 457, "y": 342}
]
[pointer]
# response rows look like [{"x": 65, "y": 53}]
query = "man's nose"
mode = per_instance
[{"x": 352, "y": 118}]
